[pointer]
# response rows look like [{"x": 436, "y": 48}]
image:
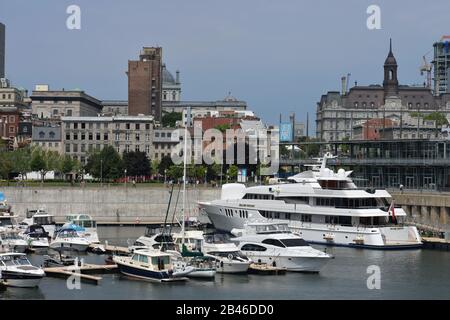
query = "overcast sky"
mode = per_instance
[{"x": 279, "y": 56}]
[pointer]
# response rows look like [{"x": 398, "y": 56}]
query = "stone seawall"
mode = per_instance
[{"x": 107, "y": 204}]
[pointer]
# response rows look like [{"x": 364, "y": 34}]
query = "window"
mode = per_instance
[
  {"x": 294, "y": 242},
  {"x": 75, "y": 125},
  {"x": 67, "y": 147},
  {"x": 52, "y": 135},
  {"x": 67, "y": 136},
  {"x": 105, "y": 136},
  {"x": 253, "y": 247},
  {"x": 273, "y": 242},
  {"x": 138, "y": 126},
  {"x": 127, "y": 136},
  {"x": 137, "y": 137},
  {"x": 83, "y": 125},
  {"x": 91, "y": 136},
  {"x": 147, "y": 126},
  {"x": 75, "y": 136},
  {"x": 75, "y": 148},
  {"x": 97, "y": 137},
  {"x": 41, "y": 135},
  {"x": 127, "y": 126}
]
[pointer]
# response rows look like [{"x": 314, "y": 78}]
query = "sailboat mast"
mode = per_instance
[{"x": 188, "y": 114}]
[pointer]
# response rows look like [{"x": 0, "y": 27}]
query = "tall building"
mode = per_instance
[
  {"x": 145, "y": 83},
  {"x": 338, "y": 113},
  {"x": 2, "y": 50},
  {"x": 441, "y": 65}
]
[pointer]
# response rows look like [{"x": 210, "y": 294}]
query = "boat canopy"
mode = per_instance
[{"x": 71, "y": 227}]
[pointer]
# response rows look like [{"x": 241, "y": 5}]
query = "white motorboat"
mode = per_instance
[
  {"x": 42, "y": 218},
  {"x": 152, "y": 265},
  {"x": 17, "y": 271},
  {"x": 8, "y": 220},
  {"x": 322, "y": 206},
  {"x": 13, "y": 241},
  {"x": 274, "y": 244},
  {"x": 155, "y": 238},
  {"x": 36, "y": 237},
  {"x": 88, "y": 226},
  {"x": 67, "y": 238},
  {"x": 227, "y": 256},
  {"x": 204, "y": 267}
]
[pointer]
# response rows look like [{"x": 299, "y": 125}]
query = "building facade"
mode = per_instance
[
  {"x": 338, "y": 112},
  {"x": 54, "y": 104},
  {"x": 145, "y": 83},
  {"x": 9, "y": 125},
  {"x": 82, "y": 135},
  {"x": 441, "y": 66},
  {"x": 163, "y": 142},
  {"x": 171, "y": 87},
  {"x": 2, "y": 50},
  {"x": 47, "y": 138}
]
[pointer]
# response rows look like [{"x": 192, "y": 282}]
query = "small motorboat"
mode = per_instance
[
  {"x": 17, "y": 271},
  {"x": 13, "y": 241},
  {"x": 67, "y": 238},
  {"x": 42, "y": 218},
  {"x": 36, "y": 237},
  {"x": 60, "y": 261},
  {"x": 152, "y": 265},
  {"x": 204, "y": 268},
  {"x": 87, "y": 226}
]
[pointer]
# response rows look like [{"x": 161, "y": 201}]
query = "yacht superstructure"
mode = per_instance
[{"x": 321, "y": 206}]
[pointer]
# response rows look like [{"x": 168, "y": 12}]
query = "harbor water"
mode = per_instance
[{"x": 407, "y": 274}]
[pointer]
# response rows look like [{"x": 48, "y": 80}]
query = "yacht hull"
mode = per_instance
[
  {"x": 149, "y": 275},
  {"x": 69, "y": 246},
  {"x": 20, "y": 280},
  {"x": 383, "y": 238}
]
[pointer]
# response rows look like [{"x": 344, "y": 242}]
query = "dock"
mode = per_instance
[
  {"x": 436, "y": 243},
  {"x": 109, "y": 249},
  {"x": 85, "y": 272},
  {"x": 265, "y": 269}
]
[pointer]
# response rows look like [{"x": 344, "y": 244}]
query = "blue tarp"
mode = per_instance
[
  {"x": 2, "y": 196},
  {"x": 71, "y": 226}
]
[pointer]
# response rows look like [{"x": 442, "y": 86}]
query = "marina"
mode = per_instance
[{"x": 408, "y": 274}]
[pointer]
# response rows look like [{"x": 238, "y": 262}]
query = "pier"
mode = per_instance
[
  {"x": 436, "y": 243},
  {"x": 85, "y": 272}
]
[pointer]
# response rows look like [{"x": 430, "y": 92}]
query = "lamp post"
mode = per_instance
[
  {"x": 101, "y": 173},
  {"x": 165, "y": 176},
  {"x": 125, "y": 171}
]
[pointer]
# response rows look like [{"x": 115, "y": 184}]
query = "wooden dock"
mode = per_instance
[
  {"x": 111, "y": 249},
  {"x": 436, "y": 243},
  {"x": 85, "y": 272},
  {"x": 265, "y": 269}
]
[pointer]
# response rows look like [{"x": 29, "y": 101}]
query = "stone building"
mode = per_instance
[
  {"x": 54, "y": 104},
  {"x": 125, "y": 133},
  {"x": 338, "y": 112},
  {"x": 48, "y": 138}
]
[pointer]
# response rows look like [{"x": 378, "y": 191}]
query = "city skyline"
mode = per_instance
[{"x": 233, "y": 47}]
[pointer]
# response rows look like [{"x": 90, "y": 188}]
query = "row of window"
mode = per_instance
[
  {"x": 241, "y": 213},
  {"x": 82, "y": 137},
  {"x": 259, "y": 196},
  {"x": 105, "y": 125},
  {"x": 91, "y": 147}
]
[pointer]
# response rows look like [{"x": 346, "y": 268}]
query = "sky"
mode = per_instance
[{"x": 279, "y": 56}]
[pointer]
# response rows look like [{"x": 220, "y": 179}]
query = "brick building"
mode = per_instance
[{"x": 145, "y": 83}]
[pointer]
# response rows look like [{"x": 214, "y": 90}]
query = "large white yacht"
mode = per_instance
[{"x": 320, "y": 205}]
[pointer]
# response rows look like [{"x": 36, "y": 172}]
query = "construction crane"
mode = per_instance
[{"x": 426, "y": 67}]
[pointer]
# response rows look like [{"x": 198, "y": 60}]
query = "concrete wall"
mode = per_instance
[
  {"x": 108, "y": 204},
  {"x": 426, "y": 210}
]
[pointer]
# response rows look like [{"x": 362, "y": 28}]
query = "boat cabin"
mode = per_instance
[
  {"x": 82, "y": 220},
  {"x": 155, "y": 261},
  {"x": 14, "y": 259}
]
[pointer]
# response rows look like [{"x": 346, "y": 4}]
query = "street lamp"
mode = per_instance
[
  {"x": 165, "y": 174},
  {"x": 101, "y": 172},
  {"x": 125, "y": 177}
]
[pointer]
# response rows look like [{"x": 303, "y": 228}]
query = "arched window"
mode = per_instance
[
  {"x": 391, "y": 75},
  {"x": 41, "y": 135},
  {"x": 165, "y": 95}
]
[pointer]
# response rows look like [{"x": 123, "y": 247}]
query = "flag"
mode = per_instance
[{"x": 392, "y": 212}]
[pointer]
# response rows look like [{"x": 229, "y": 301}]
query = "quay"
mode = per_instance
[
  {"x": 84, "y": 272},
  {"x": 436, "y": 243}
]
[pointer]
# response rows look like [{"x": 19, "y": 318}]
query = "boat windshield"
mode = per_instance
[
  {"x": 272, "y": 228},
  {"x": 21, "y": 261},
  {"x": 68, "y": 234},
  {"x": 44, "y": 220},
  {"x": 10, "y": 236},
  {"x": 6, "y": 221},
  {"x": 294, "y": 242}
]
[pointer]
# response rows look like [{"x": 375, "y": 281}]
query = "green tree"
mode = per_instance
[
  {"x": 155, "y": 166},
  {"x": 440, "y": 118},
  {"x": 136, "y": 163},
  {"x": 200, "y": 172},
  {"x": 6, "y": 165},
  {"x": 169, "y": 119},
  {"x": 223, "y": 127},
  {"x": 21, "y": 159},
  {"x": 233, "y": 172},
  {"x": 38, "y": 163},
  {"x": 175, "y": 172},
  {"x": 105, "y": 164},
  {"x": 165, "y": 164},
  {"x": 67, "y": 165}
]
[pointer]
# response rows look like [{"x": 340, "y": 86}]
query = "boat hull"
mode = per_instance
[
  {"x": 149, "y": 275},
  {"x": 20, "y": 280},
  {"x": 203, "y": 273},
  {"x": 383, "y": 238},
  {"x": 67, "y": 246},
  {"x": 295, "y": 264}
]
